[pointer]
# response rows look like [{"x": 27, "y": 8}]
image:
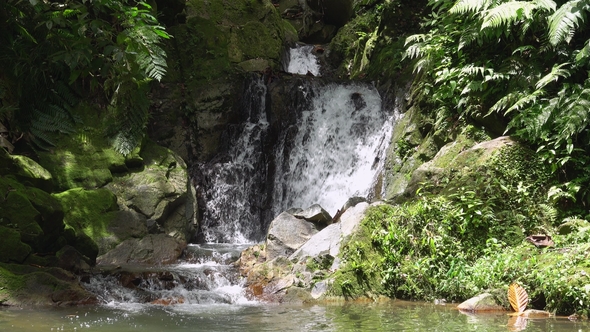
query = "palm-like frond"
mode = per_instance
[
  {"x": 556, "y": 72},
  {"x": 507, "y": 14},
  {"x": 565, "y": 20},
  {"x": 470, "y": 6}
]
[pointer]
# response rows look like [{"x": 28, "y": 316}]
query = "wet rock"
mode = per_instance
[
  {"x": 11, "y": 247},
  {"x": 320, "y": 289},
  {"x": 482, "y": 302},
  {"x": 287, "y": 234},
  {"x": 532, "y": 313},
  {"x": 152, "y": 249},
  {"x": 316, "y": 214},
  {"x": 71, "y": 260},
  {"x": 297, "y": 295},
  {"x": 33, "y": 286}
]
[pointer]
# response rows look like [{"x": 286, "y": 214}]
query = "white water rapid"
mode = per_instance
[
  {"x": 235, "y": 182},
  {"x": 206, "y": 276},
  {"x": 338, "y": 151},
  {"x": 331, "y": 149},
  {"x": 302, "y": 61}
]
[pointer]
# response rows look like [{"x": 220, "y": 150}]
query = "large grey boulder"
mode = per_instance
[
  {"x": 329, "y": 239},
  {"x": 286, "y": 234},
  {"x": 160, "y": 194},
  {"x": 152, "y": 249},
  {"x": 316, "y": 214}
]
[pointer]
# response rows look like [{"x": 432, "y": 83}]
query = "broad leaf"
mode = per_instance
[{"x": 518, "y": 297}]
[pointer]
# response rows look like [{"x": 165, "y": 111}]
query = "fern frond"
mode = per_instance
[
  {"x": 524, "y": 101},
  {"x": 507, "y": 14},
  {"x": 583, "y": 54},
  {"x": 565, "y": 20},
  {"x": 469, "y": 35},
  {"x": 506, "y": 101},
  {"x": 415, "y": 39},
  {"x": 414, "y": 51},
  {"x": 547, "y": 5},
  {"x": 467, "y": 6},
  {"x": 554, "y": 75}
]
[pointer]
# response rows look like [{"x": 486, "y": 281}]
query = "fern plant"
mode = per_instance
[{"x": 106, "y": 48}]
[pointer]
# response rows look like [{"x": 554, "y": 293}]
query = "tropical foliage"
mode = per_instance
[
  {"x": 53, "y": 53},
  {"x": 521, "y": 62}
]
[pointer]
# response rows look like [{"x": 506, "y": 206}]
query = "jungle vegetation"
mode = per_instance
[
  {"x": 521, "y": 63},
  {"x": 517, "y": 68},
  {"x": 55, "y": 53}
]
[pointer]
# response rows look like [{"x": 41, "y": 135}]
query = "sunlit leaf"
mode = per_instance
[{"x": 518, "y": 297}]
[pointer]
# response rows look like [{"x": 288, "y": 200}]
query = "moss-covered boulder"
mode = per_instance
[
  {"x": 32, "y": 212},
  {"x": 32, "y": 286},
  {"x": 11, "y": 247},
  {"x": 209, "y": 57},
  {"x": 88, "y": 214},
  {"x": 160, "y": 194}
]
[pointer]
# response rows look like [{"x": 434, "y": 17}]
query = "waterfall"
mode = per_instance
[
  {"x": 236, "y": 184},
  {"x": 332, "y": 148},
  {"x": 302, "y": 61},
  {"x": 205, "y": 276},
  {"x": 338, "y": 150}
]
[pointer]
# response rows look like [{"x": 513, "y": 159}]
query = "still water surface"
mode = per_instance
[{"x": 389, "y": 316}]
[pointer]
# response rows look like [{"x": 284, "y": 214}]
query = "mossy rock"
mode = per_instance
[
  {"x": 85, "y": 158},
  {"x": 31, "y": 173},
  {"x": 88, "y": 214},
  {"x": 19, "y": 214},
  {"x": 32, "y": 212},
  {"x": 30, "y": 286},
  {"x": 11, "y": 247}
]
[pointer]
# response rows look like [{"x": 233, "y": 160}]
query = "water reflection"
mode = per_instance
[{"x": 389, "y": 316}]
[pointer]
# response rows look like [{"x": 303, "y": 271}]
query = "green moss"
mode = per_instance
[
  {"x": 85, "y": 158},
  {"x": 18, "y": 213},
  {"x": 361, "y": 270},
  {"x": 11, "y": 247},
  {"x": 88, "y": 213},
  {"x": 31, "y": 172},
  {"x": 11, "y": 284}
]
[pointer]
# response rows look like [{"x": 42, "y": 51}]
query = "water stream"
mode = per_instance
[
  {"x": 334, "y": 151},
  {"x": 388, "y": 316}
]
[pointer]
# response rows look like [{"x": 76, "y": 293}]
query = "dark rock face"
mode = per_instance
[
  {"x": 151, "y": 249},
  {"x": 315, "y": 214},
  {"x": 286, "y": 234}
]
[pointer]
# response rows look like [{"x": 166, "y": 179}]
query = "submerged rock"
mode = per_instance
[
  {"x": 152, "y": 249},
  {"x": 482, "y": 302}
]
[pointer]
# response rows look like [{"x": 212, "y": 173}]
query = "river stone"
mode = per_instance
[
  {"x": 152, "y": 249},
  {"x": 482, "y": 302},
  {"x": 533, "y": 313},
  {"x": 287, "y": 234},
  {"x": 320, "y": 289},
  {"x": 329, "y": 239},
  {"x": 316, "y": 214}
]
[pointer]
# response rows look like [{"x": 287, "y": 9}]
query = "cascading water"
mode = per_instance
[
  {"x": 205, "y": 276},
  {"x": 302, "y": 61},
  {"x": 235, "y": 196},
  {"x": 338, "y": 150},
  {"x": 334, "y": 151}
]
